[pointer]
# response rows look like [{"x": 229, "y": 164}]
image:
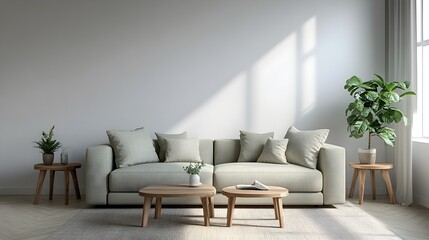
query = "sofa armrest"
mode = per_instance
[
  {"x": 331, "y": 163},
  {"x": 99, "y": 163}
]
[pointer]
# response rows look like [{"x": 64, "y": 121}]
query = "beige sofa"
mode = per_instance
[{"x": 325, "y": 185}]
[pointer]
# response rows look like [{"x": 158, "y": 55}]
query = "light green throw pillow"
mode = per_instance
[
  {"x": 251, "y": 145},
  {"x": 274, "y": 151},
  {"x": 132, "y": 147},
  {"x": 304, "y": 146},
  {"x": 182, "y": 150},
  {"x": 161, "y": 142}
]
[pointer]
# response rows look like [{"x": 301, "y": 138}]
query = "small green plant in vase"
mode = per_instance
[
  {"x": 373, "y": 110},
  {"x": 193, "y": 169},
  {"x": 48, "y": 146}
]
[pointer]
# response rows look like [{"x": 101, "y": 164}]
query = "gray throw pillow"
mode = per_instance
[
  {"x": 274, "y": 151},
  {"x": 251, "y": 145},
  {"x": 132, "y": 147},
  {"x": 182, "y": 150},
  {"x": 161, "y": 142},
  {"x": 304, "y": 146}
]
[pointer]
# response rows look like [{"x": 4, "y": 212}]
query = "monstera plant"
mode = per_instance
[{"x": 373, "y": 110}]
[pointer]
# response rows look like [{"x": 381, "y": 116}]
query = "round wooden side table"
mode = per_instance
[
  {"x": 359, "y": 169},
  {"x": 67, "y": 168},
  {"x": 276, "y": 193}
]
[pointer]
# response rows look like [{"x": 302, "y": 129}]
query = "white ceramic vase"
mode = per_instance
[
  {"x": 367, "y": 156},
  {"x": 194, "y": 180}
]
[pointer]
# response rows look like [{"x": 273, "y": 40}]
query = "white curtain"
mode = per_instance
[{"x": 401, "y": 66}]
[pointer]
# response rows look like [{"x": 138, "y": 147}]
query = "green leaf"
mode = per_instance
[
  {"x": 407, "y": 93},
  {"x": 389, "y": 97},
  {"x": 388, "y": 135},
  {"x": 354, "y": 81},
  {"x": 388, "y": 139},
  {"x": 371, "y": 95},
  {"x": 390, "y": 86}
]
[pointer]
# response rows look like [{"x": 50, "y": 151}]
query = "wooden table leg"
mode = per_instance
[
  {"x": 230, "y": 212},
  {"x": 280, "y": 212},
  {"x": 276, "y": 208},
  {"x": 352, "y": 187},
  {"x": 361, "y": 185},
  {"x": 158, "y": 207},
  {"x": 206, "y": 213},
  {"x": 211, "y": 205},
  {"x": 66, "y": 186},
  {"x": 75, "y": 183},
  {"x": 42, "y": 174},
  {"x": 51, "y": 183},
  {"x": 373, "y": 188},
  {"x": 146, "y": 209},
  {"x": 386, "y": 177}
]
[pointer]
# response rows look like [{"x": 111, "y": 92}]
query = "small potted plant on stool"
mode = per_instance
[{"x": 48, "y": 146}]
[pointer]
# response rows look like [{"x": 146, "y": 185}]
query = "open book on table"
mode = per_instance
[{"x": 256, "y": 185}]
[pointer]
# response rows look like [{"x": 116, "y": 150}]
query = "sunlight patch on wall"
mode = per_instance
[
  {"x": 308, "y": 67},
  {"x": 279, "y": 88},
  {"x": 272, "y": 93},
  {"x": 224, "y": 111}
]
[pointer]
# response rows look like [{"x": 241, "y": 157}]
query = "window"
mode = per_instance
[{"x": 422, "y": 117}]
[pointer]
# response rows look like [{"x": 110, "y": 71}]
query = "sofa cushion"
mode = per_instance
[
  {"x": 274, "y": 151},
  {"x": 161, "y": 142},
  {"x": 132, "y": 147},
  {"x": 304, "y": 146},
  {"x": 226, "y": 150},
  {"x": 251, "y": 145},
  {"x": 293, "y": 177},
  {"x": 182, "y": 150},
  {"x": 133, "y": 178}
]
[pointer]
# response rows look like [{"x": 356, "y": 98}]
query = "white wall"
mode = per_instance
[
  {"x": 209, "y": 67},
  {"x": 420, "y": 173}
]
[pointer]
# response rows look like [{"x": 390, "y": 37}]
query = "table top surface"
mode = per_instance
[
  {"x": 273, "y": 191},
  {"x": 375, "y": 166},
  {"x": 57, "y": 166},
  {"x": 179, "y": 190}
]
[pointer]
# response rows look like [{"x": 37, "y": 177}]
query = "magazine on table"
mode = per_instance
[{"x": 256, "y": 185}]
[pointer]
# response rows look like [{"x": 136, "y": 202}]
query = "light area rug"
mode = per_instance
[{"x": 343, "y": 222}]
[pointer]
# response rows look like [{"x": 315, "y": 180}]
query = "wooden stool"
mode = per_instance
[
  {"x": 359, "y": 169},
  {"x": 71, "y": 167}
]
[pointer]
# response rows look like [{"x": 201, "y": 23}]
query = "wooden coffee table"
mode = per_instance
[
  {"x": 276, "y": 193},
  {"x": 204, "y": 192}
]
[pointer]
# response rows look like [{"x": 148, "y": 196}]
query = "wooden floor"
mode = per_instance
[{"x": 20, "y": 219}]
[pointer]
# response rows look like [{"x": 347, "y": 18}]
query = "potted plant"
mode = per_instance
[
  {"x": 48, "y": 146},
  {"x": 193, "y": 169},
  {"x": 373, "y": 110}
]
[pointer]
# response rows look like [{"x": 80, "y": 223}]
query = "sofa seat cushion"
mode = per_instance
[
  {"x": 131, "y": 179},
  {"x": 293, "y": 177}
]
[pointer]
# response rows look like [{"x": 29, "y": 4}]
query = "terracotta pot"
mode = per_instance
[
  {"x": 367, "y": 156},
  {"x": 48, "y": 158}
]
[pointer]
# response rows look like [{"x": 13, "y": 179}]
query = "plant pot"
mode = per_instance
[
  {"x": 194, "y": 180},
  {"x": 48, "y": 158},
  {"x": 367, "y": 156}
]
